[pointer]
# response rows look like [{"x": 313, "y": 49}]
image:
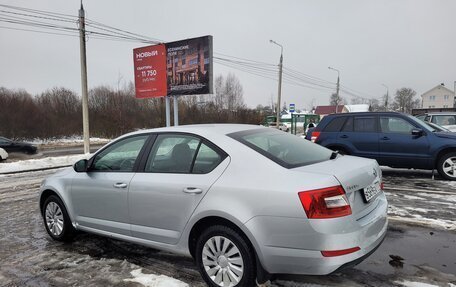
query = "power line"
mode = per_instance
[
  {"x": 258, "y": 68},
  {"x": 41, "y": 12},
  {"x": 39, "y": 17}
]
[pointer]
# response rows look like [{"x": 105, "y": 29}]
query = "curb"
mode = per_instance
[{"x": 36, "y": 169}]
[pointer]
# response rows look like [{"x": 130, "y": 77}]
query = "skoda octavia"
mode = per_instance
[{"x": 244, "y": 201}]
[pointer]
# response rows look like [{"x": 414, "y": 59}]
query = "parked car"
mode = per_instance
[
  {"x": 282, "y": 126},
  {"x": 3, "y": 154},
  {"x": 393, "y": 139},
  {"x": 438, "y": 128},
  {"x": 244, "y": 201},
  {"x": 444, "y": 119},
  {"x": 13, "y": 146}
]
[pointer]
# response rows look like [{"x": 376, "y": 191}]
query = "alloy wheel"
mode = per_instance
[
  {"x": 54, "y": 218},
  {"x": 449, "y": 167},
  {"x": 222, "y": 261}
]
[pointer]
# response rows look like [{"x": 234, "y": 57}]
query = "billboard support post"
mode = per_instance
[
  {"x": 176, "y": 111},
  {"x": 168, "y": 112}
]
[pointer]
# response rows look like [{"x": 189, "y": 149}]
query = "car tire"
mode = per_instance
[
  {"x": 224, "y": 258},
  {"x": 446, "y": 166},
  {"x": 56, "y": 220}
]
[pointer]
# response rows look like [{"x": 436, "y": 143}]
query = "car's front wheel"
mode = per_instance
[
  {"x": 447, "y": 166},
  {"x": 224, "y": 258},
  {"x": 56, "y": 220}
]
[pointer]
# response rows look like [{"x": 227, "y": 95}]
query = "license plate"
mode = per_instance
[{"x": 371, "y": 191}]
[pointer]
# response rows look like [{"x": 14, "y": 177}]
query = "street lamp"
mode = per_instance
[
  {"x": 337, "y": 89},
  {"x": 386, "y": 99},
  {"x": 279, "y": 93}
]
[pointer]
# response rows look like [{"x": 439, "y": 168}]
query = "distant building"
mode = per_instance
[
  {"x": 326, "y": 110},
  {"x": 437, "y": 98}
]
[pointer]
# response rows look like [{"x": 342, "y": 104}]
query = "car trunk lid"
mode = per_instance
[{"x": 356, "y": 175}]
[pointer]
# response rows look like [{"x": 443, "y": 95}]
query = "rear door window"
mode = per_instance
[
  {"x": 335, "y": 125},
  {"x": 348, "y": 127},
  {"x": 183, "y": 153},
  {"x": 364, "y": 124}
]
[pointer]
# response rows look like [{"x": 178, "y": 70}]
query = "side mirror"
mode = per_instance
[
  {"x": 81, "y": 165},
  {"x": 417, "y": 132}
]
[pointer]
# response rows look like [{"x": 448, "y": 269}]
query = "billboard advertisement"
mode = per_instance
[
  {"x": 177, "y": 68},
  {"x": 150, "y": 71},
  {"x": 189, "y": 66}
]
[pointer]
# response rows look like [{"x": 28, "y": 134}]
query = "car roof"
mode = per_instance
[
  {"x": 215, "y": 129},
  {"x": 365, "y": 114}
]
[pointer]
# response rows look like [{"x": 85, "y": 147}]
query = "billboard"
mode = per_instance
[
  {"x": 184, "y": 68},
  {"x": 150, "y": 71}
]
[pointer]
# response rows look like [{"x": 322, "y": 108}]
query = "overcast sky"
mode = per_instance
[{"x": 399, "y": 43}]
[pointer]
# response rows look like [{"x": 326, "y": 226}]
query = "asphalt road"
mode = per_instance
[{"x": 420, "y": 245}]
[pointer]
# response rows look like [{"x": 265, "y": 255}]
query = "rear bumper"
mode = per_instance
[{"x": 294, "y": 245}]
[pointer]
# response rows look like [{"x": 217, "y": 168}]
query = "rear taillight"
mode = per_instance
[
  {"x": 327, "y": 202},
  {"x": 314, "y": 136},
  {"x": 382, "y": 186}
]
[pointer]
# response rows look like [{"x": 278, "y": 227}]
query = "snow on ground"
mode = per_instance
[
  {"x": 406, "y": 283},
  {"x": 408, "y": 215},
  {"x": 32, "y": 164},
  {"x": 68, "y": 141},
  {"x": 151, "y": 280}
]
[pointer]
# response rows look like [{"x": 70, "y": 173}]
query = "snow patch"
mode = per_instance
[
  {"x": 412, "y": 197},
  {"x": 32, "y": 164},
  {"x": 415, "y": 284},
  {"x": 151, "y": 280},
  {"x": 295, "y": 284},
  {"x": 419, "y": 220},
  {"x": 68, "y": 141},
  {"x": 422, "y": 210}
]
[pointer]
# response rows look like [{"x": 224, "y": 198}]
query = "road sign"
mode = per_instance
[{"x": 292, "y": 108}]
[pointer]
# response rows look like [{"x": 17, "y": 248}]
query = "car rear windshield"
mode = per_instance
[{"x": 283, "y": 148}]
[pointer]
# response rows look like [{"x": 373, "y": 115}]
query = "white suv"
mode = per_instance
[{"x": 446, "y": 120}]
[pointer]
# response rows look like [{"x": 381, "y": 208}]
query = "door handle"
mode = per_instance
[
  {"x": 120, "y": 185},
  {"x": 344, "y": 136},
  {"x": 385, "y": 138},
  {"x": 192, "y": 190}
]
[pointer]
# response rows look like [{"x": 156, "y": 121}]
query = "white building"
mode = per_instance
[
  {"x": 355, "y": 108},
  {"x": 438, "y": 97}
]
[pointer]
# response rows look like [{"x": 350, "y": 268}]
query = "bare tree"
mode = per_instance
[
  {"x": 234, "y": 93},
  {"x": 404, "y": 100},
  {"x": 335, "y": 100}
]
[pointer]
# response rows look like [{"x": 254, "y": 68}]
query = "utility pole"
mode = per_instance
[
  {"x": 337, "y": 87},
  {"x": 337, "y": 92},
  {"x": 279, "y": 93},
  {"x": 387, "y": 95},
  {"x": 85, "y": 99}
]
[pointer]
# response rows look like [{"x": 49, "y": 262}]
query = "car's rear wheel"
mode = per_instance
[
  {"x": 224, "y": 258},
  {"x": 56, "y": 220},
  {"x": 447, "y": 166}
]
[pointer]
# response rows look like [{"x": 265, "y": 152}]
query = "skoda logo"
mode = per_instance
[{"x": 374, "y": 173}]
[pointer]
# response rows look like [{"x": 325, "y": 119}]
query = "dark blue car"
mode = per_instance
[{"x": 393, "y": 139}]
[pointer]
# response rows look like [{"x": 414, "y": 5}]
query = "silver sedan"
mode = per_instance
[{"x": 245, "y": 202}]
